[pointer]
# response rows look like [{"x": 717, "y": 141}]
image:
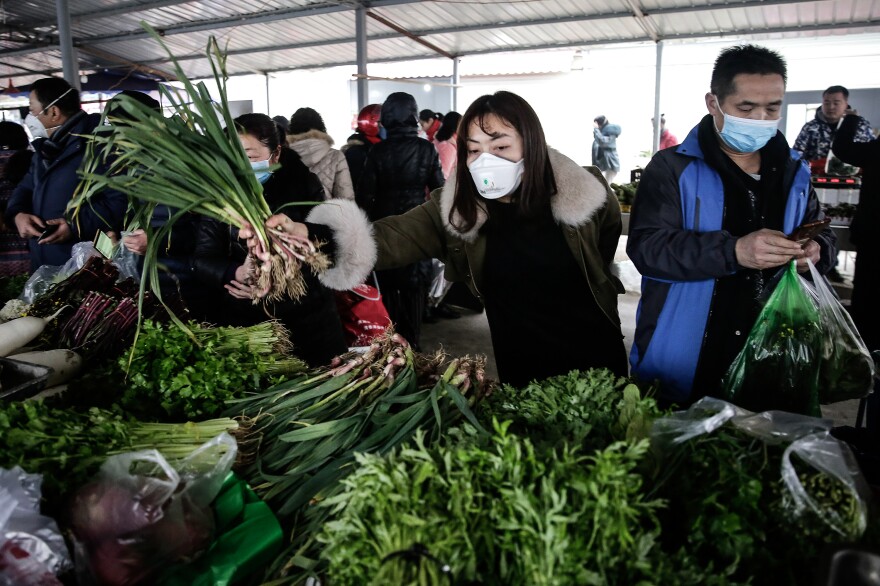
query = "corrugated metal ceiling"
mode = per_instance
[{"x": 276, "y": 35}]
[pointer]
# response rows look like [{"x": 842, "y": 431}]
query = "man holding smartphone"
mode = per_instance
[
  {"x": 38, "y": 203},
  {"x": 709, "y": 228}
]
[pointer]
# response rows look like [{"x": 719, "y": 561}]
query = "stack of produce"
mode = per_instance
[{"x": 626, "y": 194}]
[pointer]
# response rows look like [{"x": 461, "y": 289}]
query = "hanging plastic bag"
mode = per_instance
[
  {"x": 439, "y": 285},
  {"x": 778, "y": 368},
  {"x": 362, "y": 313},
  {"x": 141, "y": 514},
  {"x": 32, "y": 549},
  {"x": 847, "y": 369},
  {"x": 126, "y": 261}
]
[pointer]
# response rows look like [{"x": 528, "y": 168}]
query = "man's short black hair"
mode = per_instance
[
  {"x": 748, "y": 59},
  {"x": 49, "y": 89},
  {"x": 837, "y": 89}
]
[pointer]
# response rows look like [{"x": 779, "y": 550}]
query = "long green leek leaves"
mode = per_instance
[{"x": 192, "y": 162}]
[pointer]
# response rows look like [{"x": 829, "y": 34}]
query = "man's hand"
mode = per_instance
[
  {"x": 766, "y": 249},
  {"x": 29, "y": 225},
  {"x": 811, "y": 251},
  {"x": 136, "y": 242},
  {"x": 61, "y": 234}
]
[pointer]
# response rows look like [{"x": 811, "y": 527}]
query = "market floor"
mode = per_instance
[{"x": 469, "y": 334}]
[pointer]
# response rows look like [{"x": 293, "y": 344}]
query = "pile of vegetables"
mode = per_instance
[
  {"x": 178, "y": 375},
  {"x": 193, "y": 162},
  {"x": 626, "y": 194},
  {"x": 841, "y": 213},
  {"x": 68, "y": 446},
  {"x": 313, "y": 425},
  {"x": 11, "y": 287}
]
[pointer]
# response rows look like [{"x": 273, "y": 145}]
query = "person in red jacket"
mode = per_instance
[{"x": 667, "y": 139}]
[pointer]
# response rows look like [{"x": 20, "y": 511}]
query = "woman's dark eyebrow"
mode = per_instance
[{"x": 494, "y": 135}]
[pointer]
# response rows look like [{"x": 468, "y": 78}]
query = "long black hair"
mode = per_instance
[
  {"x": 263, "y": 128},
  {"x": 448, "y": 127},
  {"x": 538, "y": 184}
]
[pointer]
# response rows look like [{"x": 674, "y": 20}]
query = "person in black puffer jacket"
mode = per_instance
[
  {"x": 220, "y": 259},
  {"x": 399, "y": 174}
]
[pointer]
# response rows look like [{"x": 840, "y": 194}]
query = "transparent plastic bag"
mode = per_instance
[
  {"x": 806, "y": 437},
  {"x": 778, "y": 368},
  {"x": 439, "y": 285},
  {"x": 142, "y": 514},
  {"x": 32, "y": 549},
  {"x": 836, "y": 461},
  {"x": 47, "y": 275},
  {"x": 126, "y": 261},
  {"x": 847, "y": 369}
]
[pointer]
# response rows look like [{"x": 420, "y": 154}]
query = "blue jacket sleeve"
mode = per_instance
[{"x": 658, "y": 244}]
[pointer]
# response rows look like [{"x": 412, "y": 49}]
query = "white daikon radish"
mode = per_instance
[
  {"x": 18, "y": 332},
  {"x": 65, "y": 364},
  {"x": 46, "y": 393}
]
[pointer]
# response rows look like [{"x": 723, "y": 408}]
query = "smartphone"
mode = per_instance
[
  {"x": 808, "y": 231},
  {"x": 48, "y": 231}
]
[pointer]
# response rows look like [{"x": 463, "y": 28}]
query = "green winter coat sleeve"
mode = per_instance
[{"x": 410, "y": 237}]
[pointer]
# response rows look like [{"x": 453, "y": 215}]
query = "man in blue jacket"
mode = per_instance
[
  {"x": 709, "y": 224},
  {"x": 37, "y": 205}
]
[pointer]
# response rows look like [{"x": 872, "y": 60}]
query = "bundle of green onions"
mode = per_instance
[{"x": 193, "y": 163}]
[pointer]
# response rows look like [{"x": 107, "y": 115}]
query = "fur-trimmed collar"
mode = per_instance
[
  {"x": 580, "y": 194},
  {"x": 291, "y": 138}
]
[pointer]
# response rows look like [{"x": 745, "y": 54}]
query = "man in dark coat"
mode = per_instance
[
  {"x": 37, "y": 206},
  {"x": 866, "y": 281},
  {"x": 398, "y": 175}
]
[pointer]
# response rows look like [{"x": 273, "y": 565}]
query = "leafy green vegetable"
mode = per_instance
[
  {"x": 68, "y": 446},
  {"x": 495, "y": 510},
  {"x": 11, "y": 287}
]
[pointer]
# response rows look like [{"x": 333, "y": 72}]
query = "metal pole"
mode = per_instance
[
  {"x": 657, "y": 80},
  {"x": 268, "y": 110},
  {"x": 456, "y": 80},
  {"x": 69, "y": 59},
  {"x": 360, "y": 26}
]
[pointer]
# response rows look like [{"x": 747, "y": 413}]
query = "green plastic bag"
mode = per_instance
[
  {"x": 778, "y": 369},
  {"x": 248, "y": 537}
]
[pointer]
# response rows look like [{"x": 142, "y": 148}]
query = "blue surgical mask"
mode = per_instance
[
  {"x": 745, "y": 135},
  {"x": 383, "y": 134},
  {"x": 261, "y": 170}
]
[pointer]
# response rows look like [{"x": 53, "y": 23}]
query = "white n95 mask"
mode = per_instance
[
  {"x": 495, "y": 177},
  {"x": 35, "y": 126}
]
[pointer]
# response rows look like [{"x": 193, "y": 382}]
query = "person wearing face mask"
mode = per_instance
[
  {"x": 399, "y": 173},
  {"x": 37, "y": 206},
  {"x": 708, "y": 228},
  {"x": 532, "y": 233},
  {"x": 221, "y": 261}
]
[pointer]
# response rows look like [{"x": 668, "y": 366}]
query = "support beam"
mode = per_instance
[
  {"x": 396, "y": 27},
  {"x": 657, "y": 84},
  {"x": 69, "y": 60},
  {"x": 363, "y": 84},
  {"x": 456, "y": 81},
  {"x": 116, "y": 59}
]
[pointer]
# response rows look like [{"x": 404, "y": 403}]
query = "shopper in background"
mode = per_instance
[
  {"x": 531, "y": 232},
  {"x": 430, "y": 122},
  {"x": 307, "y": 135},
  {"x": 15, "y": 160},
  {"x": 816, "y": 136},
  {"x": 221, "y": 259},
  {"x": 605, "y": 147},
  {"x": 708, "y": 228},
  {"x": 359, "y": 144},
  {"x": 37, "y": 206},
  {"x": 445, "y": 141},
  {"x": 399, "y": 173},
  {"x": 667, "y": 139},
  {"x": 866, "y": 281},
  {"x": 283, "y": 123}
]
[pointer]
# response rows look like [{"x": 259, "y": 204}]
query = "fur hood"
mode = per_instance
[
  {"x": 580, "y": 195},
  {"x": 311, "y": 146}
]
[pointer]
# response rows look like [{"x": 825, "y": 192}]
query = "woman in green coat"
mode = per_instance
[{"x": 532, "y": 234}]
